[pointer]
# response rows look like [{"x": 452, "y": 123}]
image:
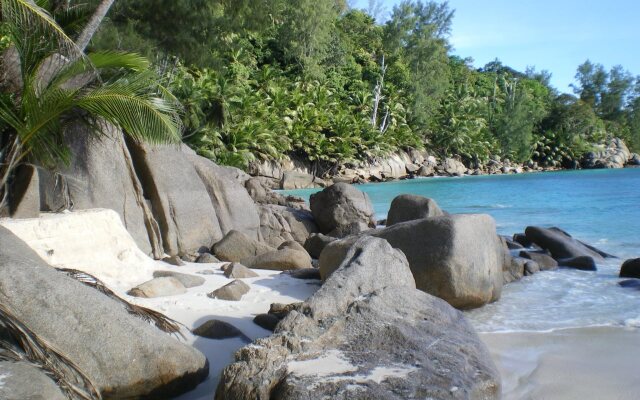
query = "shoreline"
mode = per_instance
[{"x": 574, "y": 363}]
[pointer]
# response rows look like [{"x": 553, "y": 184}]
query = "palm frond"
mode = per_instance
[
  {"x": 160, "y": 320},
  {"x": 67, "y": 374}
]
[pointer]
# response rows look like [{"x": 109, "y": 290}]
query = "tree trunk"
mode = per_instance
[{"x": 94, "y": 24}]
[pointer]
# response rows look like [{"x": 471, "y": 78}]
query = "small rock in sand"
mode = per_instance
[
  {"x": 232, "y": 291},
  {"x": 216, "y": 329},
  {"x": 187, "y": 280},
  {"x": 158, "y": 287},
  {"x": 174, "y": 260},
  {"x": 206, "y": 258},
  {"x": 266, "y": 321},
  {"x": 238, "y": 271}
]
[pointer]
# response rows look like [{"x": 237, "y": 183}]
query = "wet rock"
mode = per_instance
[
  {"x": 630, "y": 268},
  {"x": 583, "y": 263},
  {"x": 544, "y": 261},
  {"x": 560, "y": 244}
]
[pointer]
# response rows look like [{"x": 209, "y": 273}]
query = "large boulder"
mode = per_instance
[
  {"x": 122, "y": 355},
  {"x": 560, "y": 244},
  {"x": 458, "y": 258},
  {"x": 299, "y": 180},
  {"x": 341, "y": 209},
  {"x": 237, "y": 246},
  {"x": 234, "y": 208},
  {"x": 316, "y": 242},
  {"x": 101, "y": 174},
  {"x": 453, "y": 167},
  {"x": 22, "y": 380},
  {"x": 280, "y": 224},
  {"x": 366, "y": 334},
  {"x": 280, "y": 260},
  {"x": 409, "y": 207},
  {"x": 180, "y": 201}
]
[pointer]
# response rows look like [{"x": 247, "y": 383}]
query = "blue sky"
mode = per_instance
[{"x": 553, "y": 35}]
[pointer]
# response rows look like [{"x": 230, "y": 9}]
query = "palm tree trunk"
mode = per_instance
[{"x": 93, "y": 24}]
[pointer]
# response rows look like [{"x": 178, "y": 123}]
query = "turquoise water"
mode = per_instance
[{"x": 601, "y": 207}]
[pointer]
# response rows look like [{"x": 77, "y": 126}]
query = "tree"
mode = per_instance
[{"x": 94, "y": 23}]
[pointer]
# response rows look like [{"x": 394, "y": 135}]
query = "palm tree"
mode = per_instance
[
  {"x": 49, "y": 82},
  {"x": 95, "y": 21}
]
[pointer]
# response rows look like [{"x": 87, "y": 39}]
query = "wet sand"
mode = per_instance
[{"x": 586, "y": 363}]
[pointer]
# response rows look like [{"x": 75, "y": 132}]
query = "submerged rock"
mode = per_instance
[
  {"x": 560, "y": 244},
  {"x": 545, "y": 262},
  {"x": 367, "y": 333},
  {"x": 583, "y": 263},
  {"x": 630, "y": 268}
]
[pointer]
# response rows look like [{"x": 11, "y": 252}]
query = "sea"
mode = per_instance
[{"x": 600, "y": 207}]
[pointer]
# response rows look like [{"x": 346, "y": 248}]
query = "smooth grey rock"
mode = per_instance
[
  {"x": 458, "y": 258},
  {"x": 206, "y": 258},
  {"x": 124, "y": 356},
  {"x": 369, "y": 315},
  {"x": 187, "y": 280},
  {"x": 174, "y": 260},
  {"x": 630, "y": 268},
  {"x": 280, "y": 260},
  {"x": 531, "y": 267},
  {"x": 453, "y": 167},
  {"x": 342, "y": 209},
  {"x": 559, "y": 243},
  {"x": 238, "y": 271},
  {"x": 234, "y": 208},
  {"x": 583, "y": 263},
  {"x": 179, "y": 199},
  {"x": 232, "y": 291},
  {"x": 316, "y": 242},
  {"x": 237, "y": 246},
  {"x": 216, "y": 329},
  {"x": 24, "y": 381},
  {"x": 266, "y": 321},
  {"x": 293, "y": 245},
  {"x": 158, "y": 287},
  {"x": 514, "y": 270},
  {"x": 409, "y": 207},
  {"x": 544, "y": 261},
  {"x": 280, "y": 224}
]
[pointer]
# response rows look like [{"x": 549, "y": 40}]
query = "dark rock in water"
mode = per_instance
[
  {"x": 458, "y": 258},
  {"x": 544, "y": 261},
  {"x": 280, "y": 260},
  {"x": 305, "y": 273},
  {"x": 158, "y": 287},
  {"x": 522, "y": 239},
  {"x": 341, "y": 209},
  {"x": 630, "y": 283},
  {"x": 280, "y": 224},
  {"x": 206, "y": 258},
  {"x": 559, "y": 243},
  {"x": 583, "y": 263},
  {"x": 174, "y": 260},
  {"x": 409, "y": 207},
  {"x": 316, "y": 242},
  {"x": 112, "y": 347},
  {"x": 237, "y": 246},
  {"x": 232, "y": 291},
  {"x": 266, "y": 321},
  {"x": 630, "y": 268},
  {"x": 24, "y": 381},
  {"x": 513, "y": 245},
  {"x": 531, "y": 267},
  {"x": 367, "y": 319},
  {"x": 238, "y": 271},
  {"x": 187, "y": 280},
  {"x": 216, "y": 329}
]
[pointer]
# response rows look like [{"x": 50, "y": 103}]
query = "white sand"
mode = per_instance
[
  {"x": 95, "y": 241},
  {"x": 572, "y": 364}
]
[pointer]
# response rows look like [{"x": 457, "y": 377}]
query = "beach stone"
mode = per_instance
[
  {"x": 187, "y": 280},
  {"x": 531, "y": 267},
  {"x": 544, "y": 261},
  {"x": 179, "y": 199},
  {"x": 453, "y": 167},
  {"x": 112, "y": 347},
  {"x": 280, "y": 224},
  {"x": 304, "y": 273},
  {"x": 560, "y": 244},
  {"x": 280, "y": 260},
  {"x": 216, "y": 329},
  {"x": 514, "y": 270},
  {"x": 174, "y": 260},
  {"x": 293, "y": 245},
  {"x": 341, "y": 209},
  {"x": 23, "y": 380},
  {"x": 316, "y": 242},
  {"x": 238, "y": 271},
  {"x": 583, "y": 263},
  {"x": 630, "y": 268},
  {"x": 232, "y": 291},
  {"x": 158, "y": 287},
  {"x": 266, "y": 321},
  {"x": 234, "y": 208},
  {"x": 409, "y": 207},
  {"x": 237, "y": 246},
  {"x": 207, "y": 258},
  {"x": 513, "y": 245},
  {"x": 458, "y": 258},
  {"x": 522, "y": 239},
  {"x": 367, "y": 317}
]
